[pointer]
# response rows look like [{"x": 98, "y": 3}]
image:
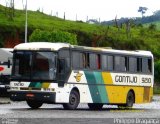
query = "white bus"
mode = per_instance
[
  {"x": 66, "y": 74},
  {"x": 5, "y": 69}
]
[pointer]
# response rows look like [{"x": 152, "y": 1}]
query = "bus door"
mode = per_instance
[{"x": 63, "y": 66}]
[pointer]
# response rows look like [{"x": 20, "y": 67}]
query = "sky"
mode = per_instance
[{"x": 93, "y": 9}]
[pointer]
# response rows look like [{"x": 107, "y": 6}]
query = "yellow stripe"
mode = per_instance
[
  {"x": 45, "y": 85},
  {"x": 107, "y": 78},
  {"x": 118, "y": 94}
]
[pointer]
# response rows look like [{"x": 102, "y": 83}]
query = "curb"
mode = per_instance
[{"x": 5, "y": 102}]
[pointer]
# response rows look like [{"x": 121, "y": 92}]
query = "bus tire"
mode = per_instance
[
  {"x": 95, "y": 106},
  {"x": 34, "y": 104},
  {"x": 74, "y": 100},
  {"x": 130, "y": 100}
]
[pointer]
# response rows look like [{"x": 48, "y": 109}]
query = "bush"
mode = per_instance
[
  {"x": 1, "y": 41},
  {"x": 53, "y": 36},
  {"x": 157, "y": 71}
]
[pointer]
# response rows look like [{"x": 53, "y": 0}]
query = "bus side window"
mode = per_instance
[
  {"x": 132, "y": 64},
  {"x": 86, "y": 61},
  {"x": 98, "y": 61},
  {"x": 93, "y": 61},
  {"x": 110, "y": 62},
  {"x": 139, "y": 64},
  {"x": 126, "y": 64},
  {"x": 104, "y": 62},
  {"x": 117, "y": 62},
  {"x": 150, "y": 65},
  {"x": 145, "y": 64},
  {"x": 77, "y": 60}
]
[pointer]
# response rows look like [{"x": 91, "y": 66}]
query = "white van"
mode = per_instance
[{"x": 5, "y": 68}]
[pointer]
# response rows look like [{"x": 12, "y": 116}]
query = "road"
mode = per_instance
[{"x": 21, "y": 113}]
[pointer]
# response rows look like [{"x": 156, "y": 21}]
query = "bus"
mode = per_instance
[
  {"x": 5, "y": 69},
  {"x": 60, "y": 73}
]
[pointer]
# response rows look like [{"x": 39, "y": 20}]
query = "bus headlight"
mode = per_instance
[{"x": 14, "y": 88}]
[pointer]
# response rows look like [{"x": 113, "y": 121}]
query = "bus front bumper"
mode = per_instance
[{"x": 45, "y": 97}]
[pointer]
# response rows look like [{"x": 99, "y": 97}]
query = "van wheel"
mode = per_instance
[
  {"x": 95, "y": 106},
  {"x": 74, "y": 100},
  {"x": 34, "y": 104}
]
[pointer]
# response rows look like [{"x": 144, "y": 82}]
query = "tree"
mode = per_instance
[
  {"x": 152, "y": 27},
  {"x": 53, "y": 36},
  {"x": 157, "y": 71},
  {"x": 128, "y": 28},
  {"x": 142, "y": 10},
  {"x": 10, "y": 12},
  {"x": 12, "y": 7},
  {"x": 23, "y": 5}
]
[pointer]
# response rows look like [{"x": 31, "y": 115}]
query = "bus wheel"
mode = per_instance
[
  {"x": 34, "y": 104},
  {"x": 95, "y": 106},
  {"x": 130, "y": 100},
  {"x": 74, "y": 100}
]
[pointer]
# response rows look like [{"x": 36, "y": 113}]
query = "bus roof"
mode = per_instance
[
  {"x": 41, "y": 45},
  {"x": 57, "y": 46}
]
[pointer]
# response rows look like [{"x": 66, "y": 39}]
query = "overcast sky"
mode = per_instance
[{"x": 94, "y": 9}]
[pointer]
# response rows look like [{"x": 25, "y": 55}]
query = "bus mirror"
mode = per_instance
[{"x": 9, "y": 63}]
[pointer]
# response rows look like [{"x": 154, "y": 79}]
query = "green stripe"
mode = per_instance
[
  {"x": 101, "y": 88},
  {"x": 98, "y": 92},
  {"x": 92, "y": 87},
  {"x": 34, "y": 84},
  {"x": 38, "y": 85}
]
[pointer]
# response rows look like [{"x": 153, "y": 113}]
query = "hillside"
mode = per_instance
[
  {"x": 146, "y": 20},
  {"x": 157, "y": 23},
  {"x": 124, "y": 37},
  {"x": 42, "y": 21},
  {"x": 135, "y": 37},
  {"x": 128, "y": 36},
  {"x": 38, "y": 20}
]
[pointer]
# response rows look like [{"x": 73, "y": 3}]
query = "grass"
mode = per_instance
[
  {"x": 156, "y": 90},
  {"x": 110, "y": 35},
  {"x": 157, "y": 23},
  {"x": 43, "y": 21}
]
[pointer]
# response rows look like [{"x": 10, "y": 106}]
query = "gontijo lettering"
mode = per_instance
[{"x": 126, "y": 79}]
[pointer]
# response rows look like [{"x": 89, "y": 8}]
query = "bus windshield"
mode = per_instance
[{"x": 31, "y": 65}]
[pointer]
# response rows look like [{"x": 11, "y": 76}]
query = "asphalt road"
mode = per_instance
[{"x": 19, "y": 112}]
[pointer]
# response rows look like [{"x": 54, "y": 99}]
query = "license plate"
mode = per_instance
[{"x": 30, "y": 95}]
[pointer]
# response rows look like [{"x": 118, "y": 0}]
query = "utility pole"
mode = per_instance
[
  {"x": 76, "y": 17},
  {"x": 87, "y": 19},
  {"x": 26, "y": 25},
  {"x": 64, "y": 16}
]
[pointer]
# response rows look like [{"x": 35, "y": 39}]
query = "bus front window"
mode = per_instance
[
  {"x": 22, "y": 65},
  {"x": 34, "y": 65},
  {"x": 44, "y": 66}
]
